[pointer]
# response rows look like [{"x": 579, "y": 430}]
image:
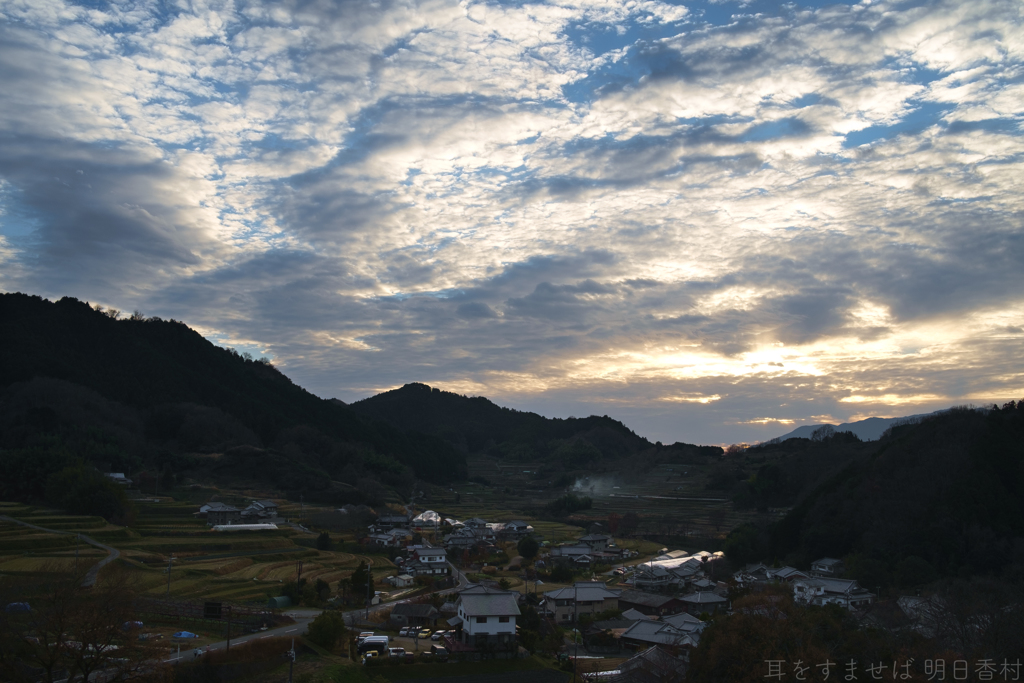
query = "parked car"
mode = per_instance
[
  {"x": 425, "y": 633},
  {"x": 439, "y": 652},
  {"x": 396, "y": 652},
  {"x": 363, "y": 636},
  {"x": 438, "y": 635},
  {"x": 404, "y": 631}
]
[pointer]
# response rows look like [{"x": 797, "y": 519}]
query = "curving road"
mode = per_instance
[{"x": 90, "y": 576}]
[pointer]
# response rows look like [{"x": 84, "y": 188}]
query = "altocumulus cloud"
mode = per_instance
[{"x": 707, "y": 219}]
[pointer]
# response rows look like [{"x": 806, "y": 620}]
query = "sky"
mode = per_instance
[{"x": 713, "y": 220}]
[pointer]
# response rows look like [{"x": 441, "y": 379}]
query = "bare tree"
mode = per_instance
[{"x": 54, "y": 629}]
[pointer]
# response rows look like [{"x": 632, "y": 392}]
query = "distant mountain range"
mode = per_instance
[{"x": 870, "y": 429}]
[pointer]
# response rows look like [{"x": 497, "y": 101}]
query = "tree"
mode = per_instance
[
  {"x": 528, "y": 548},
  {"x": 361, "y": 582},
  {"x": 80, "y": 489},
  {"x": 561, "y": 574},
  {"x": 70, "y": 632},
  {"x": 504, "y": 584},
  {"x": 323, "y": 541},
  {"x": 328, "y": 629}
]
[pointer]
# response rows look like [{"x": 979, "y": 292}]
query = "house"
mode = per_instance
[
  {"x": 401, "y": 581},
  {"x": 486, "y": 618},
  {"x": 752, "y": 574},
  {"x": 583, "y": 597},
  {"x": 411, "y": 614},
  {"x": 427, "y": 561},
  {"x": 475, "y": 523},
  {"x": 388, "y": 522},
  {"x": 828, "y": 567},
  {"x": 219, "y": 514},
  {"x": 649, "y": 603},
  {"x": 653, "y": 665},
  {"x": 644, "y": 633},
  {"x": 703, "y": 585},
  {"x": 785, "y": 574},
  {"x": 595, "y": 541},
  {"x": 515, "y": 530},
  {"x": 118, "y": 478},
  {"x": 705, "y": 601},
  {"x": 460, "y": 539},
  {"x": 652, "y": 576},
  {"x": 575, "y": 555},
  {"x": 821, "y": 591}
]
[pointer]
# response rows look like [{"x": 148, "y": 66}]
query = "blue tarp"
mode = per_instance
[
  {"x": 184, "y": 634},
  {"x": 129, "y": 625},
  {"x": 15, "y": 607}
]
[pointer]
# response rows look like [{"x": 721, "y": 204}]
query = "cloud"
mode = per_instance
[{"x": 689, "y": 217}]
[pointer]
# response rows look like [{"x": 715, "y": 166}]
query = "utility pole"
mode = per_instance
[
  {"x": 169, "y": 561},
  {"x": 369, "y": 582},
  {"x": 575, "y": 629},
  {"x": 298, "y": 577},
  {"x": 291, "y": 661},
  {"x": 229, "y": 630},
  {"x": 78, "y": 537}
]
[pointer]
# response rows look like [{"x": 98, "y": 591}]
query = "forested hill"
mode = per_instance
[
  {"x": 169, "y": 392},
  {"x": 478, "y": 426},
  {"x": 943, "y": 497}
]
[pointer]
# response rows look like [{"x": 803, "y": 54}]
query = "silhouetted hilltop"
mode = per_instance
[
  {"x": 478, "y": 426},
  {"x": 146, "y": 393}
]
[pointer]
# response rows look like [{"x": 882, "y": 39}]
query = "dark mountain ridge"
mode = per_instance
[
  {"x": 480, "y": 428},
  {"x": 149, "y": 394}
]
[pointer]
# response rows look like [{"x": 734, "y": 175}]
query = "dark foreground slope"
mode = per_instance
[{"x": 154, "y": 394}]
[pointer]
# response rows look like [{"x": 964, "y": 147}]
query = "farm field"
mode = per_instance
[{"x": 240, "y": 567}]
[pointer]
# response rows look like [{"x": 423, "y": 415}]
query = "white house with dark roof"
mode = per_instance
[
  {"x": 486, "y": 617},
  {"x": 821, "y": 591},
  {"x": 427, "y": 561}
]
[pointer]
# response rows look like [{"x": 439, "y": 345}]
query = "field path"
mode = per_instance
[{"x": 90, "y": 576}]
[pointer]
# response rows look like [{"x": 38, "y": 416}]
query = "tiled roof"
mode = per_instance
[{"x": 481, "y": 601}]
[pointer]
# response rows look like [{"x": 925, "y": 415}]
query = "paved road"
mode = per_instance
[{"x": 90, "y": 577}]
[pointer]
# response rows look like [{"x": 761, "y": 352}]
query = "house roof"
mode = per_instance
[
  {"x": 645, "y": 599},
  {"x": 703, "y": 598},
  {"x": 684, "y": 622},
  {"x": 847, "y": 586},
  {"x": 221, "y": 507},
  {"x": 655, "y": 663},
  {"x": 571, "y": 550},
  {"x": 655, "y": 632},
  {"x": 408, "y": 609},
  {"x": 595, "y": 537},
  {"x": 827, "y": 562},
  {"x": 785, "y": 573},
  {"x": 632, "y": 615},
  {"x": 583, "y": 591},
  {"x": 482, "y": 601}
]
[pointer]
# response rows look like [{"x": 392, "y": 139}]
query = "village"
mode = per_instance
[{"x": 646, "y": 610}]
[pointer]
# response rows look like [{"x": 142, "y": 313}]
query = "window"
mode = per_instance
[
  {"x": 481, "y": 620},
  {"x": 565, "y": 617},
  {"x": 502, "y": 620}
]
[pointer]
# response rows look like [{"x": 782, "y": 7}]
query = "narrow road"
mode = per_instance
[{"x": 90, "y": 576}]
